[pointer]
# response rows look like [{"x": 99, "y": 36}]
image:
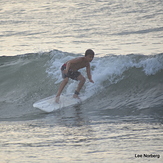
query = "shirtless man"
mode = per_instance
[{"x": 70, "y": 70}]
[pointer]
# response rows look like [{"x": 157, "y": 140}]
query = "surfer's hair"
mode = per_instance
[{"x": 89, "y": 52}]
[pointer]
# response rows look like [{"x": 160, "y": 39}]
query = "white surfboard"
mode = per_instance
[{"x": 49, "y": 105}]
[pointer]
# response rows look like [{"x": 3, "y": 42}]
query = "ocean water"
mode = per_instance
[
  {"x": 109, "y": 27},
  {"x": 122, "y": 119}
]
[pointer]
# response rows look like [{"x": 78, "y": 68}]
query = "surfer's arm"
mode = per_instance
[
  {"x": 68, "y": 66},
  {"x": 88, "y": 69}
]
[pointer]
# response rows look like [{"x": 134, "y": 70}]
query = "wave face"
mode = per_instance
[{"x": 125, "y": 85}]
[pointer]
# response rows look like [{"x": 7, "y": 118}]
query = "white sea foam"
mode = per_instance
[
  {"x": 129, "y": 78},
  {"x": 108, "y": 69}
]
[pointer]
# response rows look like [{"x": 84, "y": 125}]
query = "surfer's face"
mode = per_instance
[{"x": 89, "y": 58}]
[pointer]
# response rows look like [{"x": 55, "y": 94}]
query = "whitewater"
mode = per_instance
[
  {"x": 122, "y": 118},
  {"x": 124, "y": 82}
]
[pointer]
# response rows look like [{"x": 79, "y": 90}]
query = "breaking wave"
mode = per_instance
[{"x": 124, "y": 84}]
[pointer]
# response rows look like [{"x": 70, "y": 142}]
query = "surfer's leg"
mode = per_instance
[
  {"x": 81, "y": 80},
  {"x": 61, "y": 87}
]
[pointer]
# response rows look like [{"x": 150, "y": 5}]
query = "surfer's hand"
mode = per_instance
[
  {"x": 57, "y": 99},
  {"x": 91, "y": 80}
]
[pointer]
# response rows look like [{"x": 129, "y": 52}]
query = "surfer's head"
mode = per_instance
[
  {"x": 89, "y": 55},
  {"x": 89, "y": 52}
]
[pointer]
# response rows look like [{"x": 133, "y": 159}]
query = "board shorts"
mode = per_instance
[{"x": 71, "y": 74}]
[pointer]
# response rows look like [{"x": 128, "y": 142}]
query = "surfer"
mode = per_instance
[{"x": 70, "y": 70}]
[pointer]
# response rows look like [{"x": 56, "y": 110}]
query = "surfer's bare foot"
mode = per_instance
[
  {"x": 57, "y": 99},
  {"x": 76, "y": 95}
]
